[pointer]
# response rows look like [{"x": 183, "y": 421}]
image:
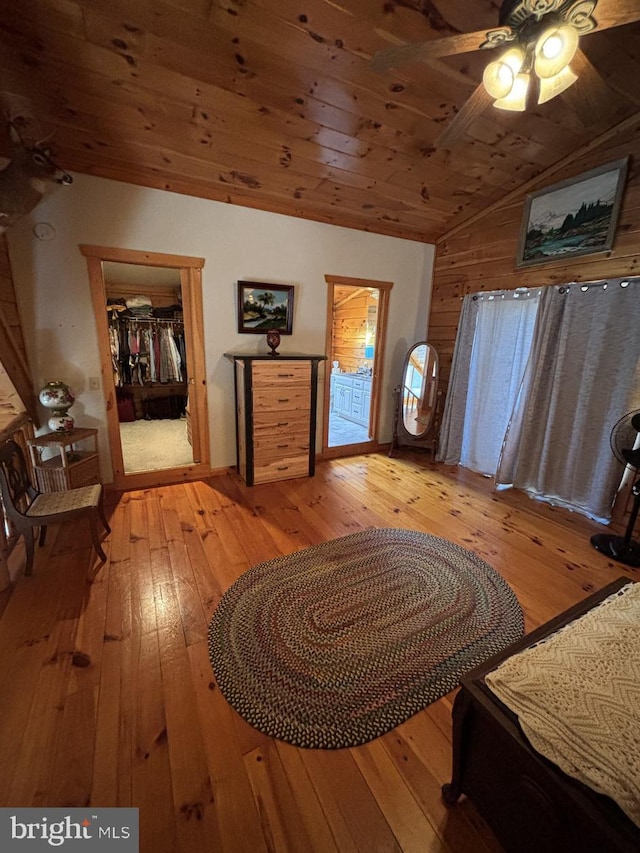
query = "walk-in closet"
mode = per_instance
[{"x": 150, "y": 366}]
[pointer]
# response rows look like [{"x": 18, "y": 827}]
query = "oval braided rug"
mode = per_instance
[{"x": 334, "y": 645}]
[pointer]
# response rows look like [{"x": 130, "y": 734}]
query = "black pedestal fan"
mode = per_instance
[{"x": 624, "y": 437}]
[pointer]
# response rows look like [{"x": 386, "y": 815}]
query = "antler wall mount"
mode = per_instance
[{"x": 25, "y": 179}]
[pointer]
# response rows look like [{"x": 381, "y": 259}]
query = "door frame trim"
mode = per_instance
[
  {"x": 191, "y": 288},
  {"x": 384, "y": 289}
]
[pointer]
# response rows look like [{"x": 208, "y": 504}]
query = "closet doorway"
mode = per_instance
[
  {"x": 148, "y": 312},
  {"x": 356, "y": 331}
]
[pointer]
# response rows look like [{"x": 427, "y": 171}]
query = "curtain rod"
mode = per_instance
[
  {"x": 149, "y": 319},
  {"x": 623, "y": 281},
  {"x": 500, "y": 294}
]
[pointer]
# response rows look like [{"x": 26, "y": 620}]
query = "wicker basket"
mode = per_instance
[{"x": 51, "y": 476}]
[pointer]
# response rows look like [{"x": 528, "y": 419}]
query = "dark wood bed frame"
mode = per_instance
[{"x": 531, "y": 805}]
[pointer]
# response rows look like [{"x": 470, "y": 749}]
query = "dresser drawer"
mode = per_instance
[
  {"x": 281, "y": 469},
  {"x": 268, "y": 446},
  {"x": 268, "y": 373},
  {"x": 281, "y": 399},
  {"x": 285, "y": 422}
]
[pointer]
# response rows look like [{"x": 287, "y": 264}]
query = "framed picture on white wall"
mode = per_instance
[{"x": 262, "y": 307}]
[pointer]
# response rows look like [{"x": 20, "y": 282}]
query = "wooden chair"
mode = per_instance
[{"x": 26, "y": 507}]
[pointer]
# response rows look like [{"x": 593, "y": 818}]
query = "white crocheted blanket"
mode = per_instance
[{"x": 577, "y": 697}]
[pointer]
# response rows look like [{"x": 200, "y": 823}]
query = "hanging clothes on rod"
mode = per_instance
[{"x": 147, "y": 350}]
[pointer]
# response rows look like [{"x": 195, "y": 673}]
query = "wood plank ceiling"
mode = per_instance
[{"x": 273, "y": 104}]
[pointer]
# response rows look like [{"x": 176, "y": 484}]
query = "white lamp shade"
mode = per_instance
[
  {"x": 555, "y": 49},
  {"x": 552, "y": 86},
  {"x": 499, "y": 76},
  {"x": 516, "y": 100},
  {"x": 498, "y": 79}
]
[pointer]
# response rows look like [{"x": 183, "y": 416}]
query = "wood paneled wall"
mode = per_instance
[
  {"x": 13, "y": 353},
  {"x": 8, "y": 304},
  {"x": 351, "y": 312},
  {"x": 481, "y": 255}
]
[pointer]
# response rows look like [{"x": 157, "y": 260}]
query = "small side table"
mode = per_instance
[{"x": 75, "y": 464}]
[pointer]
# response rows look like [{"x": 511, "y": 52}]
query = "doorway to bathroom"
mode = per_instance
[{"x": 356, "y": 331}]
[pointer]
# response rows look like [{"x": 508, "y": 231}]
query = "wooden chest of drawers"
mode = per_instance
[{"x": 276, "y": 400}]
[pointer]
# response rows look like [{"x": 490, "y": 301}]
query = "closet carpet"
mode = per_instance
[{"x": 153, "y": 445}]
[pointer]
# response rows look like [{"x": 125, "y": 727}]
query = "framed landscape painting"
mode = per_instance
[
  {"x": 265, "y": 306},
  {"x": 574, "y": 217}
]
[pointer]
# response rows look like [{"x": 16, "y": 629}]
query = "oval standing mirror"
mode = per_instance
[{"x": 417, "y": 398}]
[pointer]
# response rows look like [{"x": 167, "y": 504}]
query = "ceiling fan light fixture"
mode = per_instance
[
  {"x": 516, "y": 99},
  {"x": 498, "y": 79},
  {"x": 554, "y": 50},
  {"x": 499, "y": 76},
  {"x": 552, "y": 86}
]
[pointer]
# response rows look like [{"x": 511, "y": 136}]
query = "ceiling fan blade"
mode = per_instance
[
  {"x": 607, "y": 13},
  {"x": 616, "y": 13},
  {"x": 475, "y": 105},
  {"x": 590, "y": 96},
  {"x": 394, "y": 56}
]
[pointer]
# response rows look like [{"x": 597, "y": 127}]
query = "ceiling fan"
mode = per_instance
[{"x": 541, "y": 39}]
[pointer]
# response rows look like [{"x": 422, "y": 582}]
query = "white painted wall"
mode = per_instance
[{"x": 54, "y": 298}]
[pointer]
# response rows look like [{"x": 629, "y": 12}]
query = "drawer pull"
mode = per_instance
[
  {"x": 283, "y": 399},
  {"x": 282, "y": 468},
  {"x": 285, "y": 375},
  {"x": 283, "y": 423},
  {"x": 281, "y": 446}
]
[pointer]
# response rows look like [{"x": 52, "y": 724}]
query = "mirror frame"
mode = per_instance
[{"x": 427, "y": 439}]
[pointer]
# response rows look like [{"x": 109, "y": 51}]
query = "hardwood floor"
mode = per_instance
[{"x": 108, "y": 697}]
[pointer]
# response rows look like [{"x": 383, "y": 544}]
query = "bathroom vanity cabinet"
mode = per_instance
[{"x": 351, "y": 396}]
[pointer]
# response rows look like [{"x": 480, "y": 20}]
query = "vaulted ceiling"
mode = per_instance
[{"x": 274, "y": 104}]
